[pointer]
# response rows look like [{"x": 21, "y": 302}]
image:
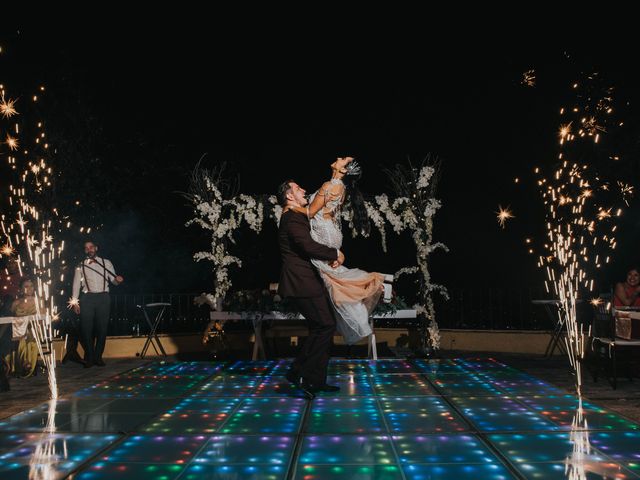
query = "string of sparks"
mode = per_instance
[
  {"x": 580, "y": 216},
  {"x": 28, "y": 233}
]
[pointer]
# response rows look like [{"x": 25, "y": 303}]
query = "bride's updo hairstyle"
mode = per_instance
[{"x": 356, "y": 200}]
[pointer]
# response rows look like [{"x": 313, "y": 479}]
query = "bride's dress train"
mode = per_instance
[{"x": 354, "y": 292}]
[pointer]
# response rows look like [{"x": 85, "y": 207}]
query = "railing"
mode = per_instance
[
  {"x": 481, "y": 308},
  {"x": 181, "y": 317},
  {"x": 493, "y": 309}
]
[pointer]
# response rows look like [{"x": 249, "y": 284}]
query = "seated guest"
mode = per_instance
[
  {"x": 9, "y": 286},
  {"x": 5, "y": 349},
  {"x": 627, "y": 293},
  {"x": 23, "y": 358}
]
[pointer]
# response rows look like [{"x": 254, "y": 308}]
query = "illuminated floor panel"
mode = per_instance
[
  {"x": 262, "y": 423},
  {"x": 65, "y": 454},
  {"x": 491, "y": 471},
  {"x": 186, "y": 423},
  {"x": 461, "y": 448},
  {"x": 246, "y": 449},
  {"x": 172, "y": 449},
  {"x": 405, "y": 385},
  {"x": 393, "y": 419},
  {"x": 493, "y": 414},
  {"x": 347, "y": 449},
  {"x": 352, "y": 385},
  {"x": 235, "y": 472},
  {"x": 548, "y": 455},
  {"x": 108, "y": 471},
  {"x": 359, "y": 472}
]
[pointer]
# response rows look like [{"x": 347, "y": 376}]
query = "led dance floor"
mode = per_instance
[{"x": 393, "y": 419}]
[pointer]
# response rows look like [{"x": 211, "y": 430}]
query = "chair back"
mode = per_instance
[{"x": 603, "y": 321}]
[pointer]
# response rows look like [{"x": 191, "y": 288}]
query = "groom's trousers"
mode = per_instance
[{"x": 313, "y": 358}]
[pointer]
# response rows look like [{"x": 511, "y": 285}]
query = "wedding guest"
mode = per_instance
[
  {"x": 23, "y": 358},
  {"x": 92, "y": 277},
  {"x": 627, "y": 293}
]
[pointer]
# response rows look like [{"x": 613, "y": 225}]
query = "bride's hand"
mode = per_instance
[{"x": 340, "y": 163}]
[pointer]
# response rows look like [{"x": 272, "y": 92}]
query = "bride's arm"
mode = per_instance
[
  {"x": 325, "y": 193},
  {"x": 328, "y": 191}
]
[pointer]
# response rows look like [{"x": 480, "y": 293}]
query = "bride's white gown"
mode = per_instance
[{"x": 354, "y": 292}]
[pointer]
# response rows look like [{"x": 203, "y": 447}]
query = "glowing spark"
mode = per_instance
[
  {"x": 73, "y": 302},
  {"x": 503, "y": 214},
  {"x": 564, "y": 132},
  {"x": 596, "y": 301},
  {"x": 529, "y": 78},
  {"x": 7, "y": 250},
  {"x": 602, "y": 214},
  {"x": 12, "y": 142},
  {"x": 7, "y": 107}
]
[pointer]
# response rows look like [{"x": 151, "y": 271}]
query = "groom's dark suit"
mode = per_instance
[{"x": 300, "y": 280}]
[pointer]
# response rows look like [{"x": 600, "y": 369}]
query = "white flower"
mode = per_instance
[{"x": 425, "y": 176}]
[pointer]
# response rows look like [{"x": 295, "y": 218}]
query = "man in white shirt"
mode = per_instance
[{"x": 92, "y": 277}]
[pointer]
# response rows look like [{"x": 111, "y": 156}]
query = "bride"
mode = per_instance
[{"x": 353, "y": 292}]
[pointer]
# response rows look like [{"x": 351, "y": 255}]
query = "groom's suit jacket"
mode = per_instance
[{"x": 299, "y": 278}]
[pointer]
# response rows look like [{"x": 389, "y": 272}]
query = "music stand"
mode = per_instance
[{"x": 153, "y": 327}]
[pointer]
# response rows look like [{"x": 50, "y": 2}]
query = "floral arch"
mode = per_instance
[{"x": 220, "y": 210}]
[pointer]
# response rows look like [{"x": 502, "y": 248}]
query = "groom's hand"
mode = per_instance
[{"x": 339, "y": 261}]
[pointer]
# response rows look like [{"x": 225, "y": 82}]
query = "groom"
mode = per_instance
[{"x": 300, "y": 281}]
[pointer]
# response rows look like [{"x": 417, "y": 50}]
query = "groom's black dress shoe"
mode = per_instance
[
  {"x": 328, "y": 388},
  {"x": 293, "y": 378},
  {"x": 296, "y": 380},
  {"x": 320, "y": 388}
]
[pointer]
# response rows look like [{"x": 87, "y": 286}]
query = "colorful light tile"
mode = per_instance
[
  {"x": 561, "y": 410},
  {"x": 450, "y": 448},
  {"x": 493, "y": 414},
  {"x": 257, "y": 367},
  {"x": 254, "y": 423},
  {"x": 464, "y": 384},
  {"x": 347, "y": 423},
  {"x": 533, "y": 447},
  {"x": 246, "y": 449},
  {"x": 404, "y": 385},
  {"x": 227, "y": 472},
  {"x": 271, "y": 406},
  {"x": 276, "y": 386},
  {"x": 114, "y": 471},
  {"x": 377, "y": 367},
  {"x": 425, "y": 423},
  {"x": 620, "y": 446},
  {"x": 172, "y": 449},
  {"x": 9, "y": 441},
  {"x": 346, "y": 449},
  {"x": 547, "y": 455},
  {"x": 589, "y": 470},
  {"x": 228, "y": 386},
  {"x": 186, "y": 423},
  {"x": 65, "y": 454},
  {"x": 340, "y": 472},
  {"x": 491, "y": 471},
  {"x": 351, "y": 385},
  {"x": 206, "y": 405},
  {"x": 345, "y": 415},
  {"x": 438, "y": 367}
]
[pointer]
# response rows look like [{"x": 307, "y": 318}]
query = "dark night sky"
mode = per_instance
[{"x": 284, "y": 105}]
